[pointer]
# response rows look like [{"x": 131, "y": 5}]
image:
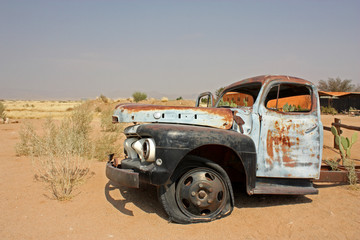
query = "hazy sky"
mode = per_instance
[{"x": 84, "y": 48}]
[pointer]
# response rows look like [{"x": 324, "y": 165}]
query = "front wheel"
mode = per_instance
[{"x": 199, "y": 194}]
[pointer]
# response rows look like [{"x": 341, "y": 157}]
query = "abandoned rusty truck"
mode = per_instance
[{"x": 263, "y": 132}]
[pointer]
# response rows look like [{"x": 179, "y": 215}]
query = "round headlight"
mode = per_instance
[{"x": 146, "y": 149}]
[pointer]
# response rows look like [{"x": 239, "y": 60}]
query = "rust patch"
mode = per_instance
[
  {"x": 240, "y": 122},
  {"x": 278, "y": 140},
  {"x": 270, "y": 147},
  {"x": 222, "y": 114}
]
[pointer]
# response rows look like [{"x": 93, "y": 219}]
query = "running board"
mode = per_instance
[{"x": 284, "y": 186}]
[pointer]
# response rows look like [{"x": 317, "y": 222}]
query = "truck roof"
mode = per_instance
[{"x": 266, "y": 78}]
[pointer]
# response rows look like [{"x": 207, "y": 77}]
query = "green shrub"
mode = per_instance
[
  {"x": 179, "y": 98},
  {"x": 139, "y": 96},
  {"x": 227, "y": 104},
  {"x": 345, "y": 144},
  {"x": 289, "y": 108},
  {"x": 328, "y": 110},
  {"x": 245, "y": 102}
]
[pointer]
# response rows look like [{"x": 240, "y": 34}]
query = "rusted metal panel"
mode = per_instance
[
  {"x": 292, "y": 148},
  {"x": 290, "y": 143},
  {"x": 213, "y": 117}
]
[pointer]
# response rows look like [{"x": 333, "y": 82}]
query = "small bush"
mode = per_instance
[
  {"x": 352, "y": 176},
  {"x": 2, "y": 112},
  {"x": 179, "y": 98},
  {"x": 106, "y": 145},
  {"x": 62, "y": 174},
  {"x": 103, "y": 98},
  {"x": 226, "y": 103},
  {"x": 164, "y": 99},
  {"x": 98, "y": 109},
  {"x": 106, "y": 122},
  {"x": 29, "y": 141},
  {"x": 139, "y": 96},
  {"x": 60, "y": 153},
  {"x": 334, "y": 165},
  {"x": 328, "y": 110}
]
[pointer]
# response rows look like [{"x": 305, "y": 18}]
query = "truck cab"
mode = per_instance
[{"x": 264, "y": 132}]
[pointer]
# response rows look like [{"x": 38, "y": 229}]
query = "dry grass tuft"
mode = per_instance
[
  {"x": 2, "y": 112},
  {"x": 108, "y": 142},
  {"x": 60, "y": 154},
  {"x": 62, "y": 174},
  {"x": 352, "y": 176},
  {"x": 106, "y": 122},
  {"x": 105, "y": 145}
]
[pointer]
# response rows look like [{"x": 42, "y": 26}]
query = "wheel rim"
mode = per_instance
[{"x": 201, "y": 193}]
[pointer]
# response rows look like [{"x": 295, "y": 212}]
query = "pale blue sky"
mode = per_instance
[{"x": 84, "y": 48}]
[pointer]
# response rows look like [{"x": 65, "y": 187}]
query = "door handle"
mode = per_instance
[{"x": 312, "y": 128}]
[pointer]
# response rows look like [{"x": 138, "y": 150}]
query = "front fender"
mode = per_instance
[{"x": 175, "y": 141}]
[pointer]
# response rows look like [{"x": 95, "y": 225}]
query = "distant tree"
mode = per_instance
[
  {"x": 218, "y": 93},
  {"x": 139, "y": 96},
  {"x": 336, "y": 85},
  {"x": 357, "y": 89},
  {"x": 179, "y": 98}
]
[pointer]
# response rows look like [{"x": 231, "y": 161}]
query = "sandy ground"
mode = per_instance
[{"x": 101, "y": 211}]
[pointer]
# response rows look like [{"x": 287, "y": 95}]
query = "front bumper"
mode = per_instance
[{"x": 123, "y": 177}]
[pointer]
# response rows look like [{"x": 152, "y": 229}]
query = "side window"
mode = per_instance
[{"x": 289, "y": 98}]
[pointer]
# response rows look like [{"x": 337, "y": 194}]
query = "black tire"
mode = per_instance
[{"x": 198, "y": 191}]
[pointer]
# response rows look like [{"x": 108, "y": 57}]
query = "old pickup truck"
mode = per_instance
[{"x": 264, "y": 133}]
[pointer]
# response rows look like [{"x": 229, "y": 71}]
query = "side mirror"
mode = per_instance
[{"x": 205, "y": 98}]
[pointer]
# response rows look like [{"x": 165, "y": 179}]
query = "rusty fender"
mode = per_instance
[{"x": 175, "y": 141}]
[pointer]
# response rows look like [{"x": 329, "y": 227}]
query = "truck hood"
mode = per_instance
[{"x": 140, "y": 113}]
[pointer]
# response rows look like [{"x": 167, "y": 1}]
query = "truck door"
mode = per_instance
[{"x": 290, "y": 143}]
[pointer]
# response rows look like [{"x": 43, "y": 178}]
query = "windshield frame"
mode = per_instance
[{"x": 253, "y": 89}]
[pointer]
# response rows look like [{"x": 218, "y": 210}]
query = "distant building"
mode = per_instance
[{"x": 341, "y": 101}]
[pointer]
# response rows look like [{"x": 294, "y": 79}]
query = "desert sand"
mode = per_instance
[{"x": 102, "y": 211}]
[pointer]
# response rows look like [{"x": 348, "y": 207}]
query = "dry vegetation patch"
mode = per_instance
[
  {"x": 61, "y": 152},
  {"x": 61, "y": 149},
  {"x": 19, "y": 109}
]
